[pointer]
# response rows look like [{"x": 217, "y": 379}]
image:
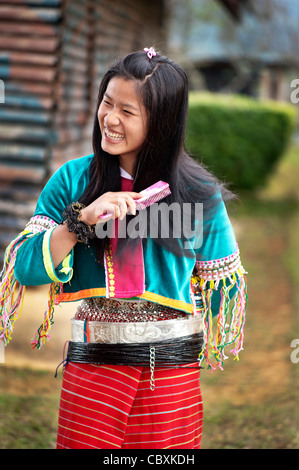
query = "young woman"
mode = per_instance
[{"x": 144, "y": 326}]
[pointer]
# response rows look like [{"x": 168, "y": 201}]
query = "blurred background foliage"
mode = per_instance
[{"x": 239, "y": 138}]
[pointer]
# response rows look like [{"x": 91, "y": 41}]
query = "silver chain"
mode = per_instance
[{"x": 152, "y": 368}]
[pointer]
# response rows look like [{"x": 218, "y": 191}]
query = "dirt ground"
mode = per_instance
[{"x": 264, "y": 366}]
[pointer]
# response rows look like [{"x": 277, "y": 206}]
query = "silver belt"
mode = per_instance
[
  {"x": 135, "y": 332},
  {"x": 122, "y": 310}
]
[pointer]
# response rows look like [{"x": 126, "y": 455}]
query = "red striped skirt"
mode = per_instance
[{"x": 113, "y": 407}]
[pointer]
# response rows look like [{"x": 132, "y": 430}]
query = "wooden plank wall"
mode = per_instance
[
  {"x": 29, "y": 45},
  {"x": 73, "y": 82},
  {"x": 52, "y": 56}
]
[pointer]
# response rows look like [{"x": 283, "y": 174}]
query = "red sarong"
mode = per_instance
[{"x": 112, "y": 407}]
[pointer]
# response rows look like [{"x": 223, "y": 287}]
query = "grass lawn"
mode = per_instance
[
  {"x": 252, "y": 403},
  {"x": 29, "y": 401}
]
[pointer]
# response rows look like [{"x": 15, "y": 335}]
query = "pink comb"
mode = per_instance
[{"x": 150, "y": 195}]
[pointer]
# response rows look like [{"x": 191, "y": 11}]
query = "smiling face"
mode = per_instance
[{"x": 123, "y": 121}]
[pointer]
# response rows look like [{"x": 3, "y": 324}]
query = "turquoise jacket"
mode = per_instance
[
  {"x": 202, "y": 283},
  {"x": 167, "y": 276}
]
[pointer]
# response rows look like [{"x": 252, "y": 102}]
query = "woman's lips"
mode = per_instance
[{"x": 114, "y": 137}]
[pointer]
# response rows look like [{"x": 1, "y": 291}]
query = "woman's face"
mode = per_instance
[{"x": 123, "y": 121}]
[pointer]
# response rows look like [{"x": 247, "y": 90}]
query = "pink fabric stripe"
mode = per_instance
[{"x": 125, "y": 278}]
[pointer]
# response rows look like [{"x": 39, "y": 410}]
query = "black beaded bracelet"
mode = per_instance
[{"x": 83, "y": 231}]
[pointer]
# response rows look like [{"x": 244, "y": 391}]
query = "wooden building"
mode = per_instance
[{"x": 52, "y": 56}]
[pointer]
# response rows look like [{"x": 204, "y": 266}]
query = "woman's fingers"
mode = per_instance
[
  {"x": 117, "y": 204},
  {"x": 130, "y": 198},
  {"x": 106, "y": 208}
]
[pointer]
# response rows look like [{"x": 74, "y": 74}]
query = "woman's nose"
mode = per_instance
[{"x": 112, "y": 118}]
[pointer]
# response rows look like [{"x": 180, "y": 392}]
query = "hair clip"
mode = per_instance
[{"x": 150, "y": 52}]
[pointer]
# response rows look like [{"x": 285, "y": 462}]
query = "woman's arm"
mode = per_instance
[
  {"x": 118, "y": 203},
  {"x": 61, "y": 243}
]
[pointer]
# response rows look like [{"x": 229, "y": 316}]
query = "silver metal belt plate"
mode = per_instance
[{"x": 134, "y": 332}]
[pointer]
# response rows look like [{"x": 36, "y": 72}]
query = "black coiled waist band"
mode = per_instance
[{"x": 177, "y": 351}]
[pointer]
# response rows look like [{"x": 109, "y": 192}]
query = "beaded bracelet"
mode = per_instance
[{"x": 83, "y": 231}]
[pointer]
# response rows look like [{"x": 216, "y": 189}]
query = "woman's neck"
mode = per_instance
[
  {"x": 127, "y": 165},
  {"x": 125, "y": 174}
]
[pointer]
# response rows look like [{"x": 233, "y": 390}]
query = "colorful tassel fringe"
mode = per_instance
[
  {"x": 12, "y": 297},
  {"x": 11, "y": 292},
  {"x": 229, "y": 330},
  {"x": 43, "y": 333}
]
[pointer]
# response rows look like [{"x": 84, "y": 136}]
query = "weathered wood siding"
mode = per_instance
[{"x": 52, "y": 56}]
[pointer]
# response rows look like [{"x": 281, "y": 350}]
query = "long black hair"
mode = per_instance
[{"x": 163, "y": 88}]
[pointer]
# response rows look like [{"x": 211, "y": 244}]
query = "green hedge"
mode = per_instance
[{"x": 238, "y": 138}]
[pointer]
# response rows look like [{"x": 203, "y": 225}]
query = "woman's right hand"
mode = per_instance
[{"x": 117, "y": 203}]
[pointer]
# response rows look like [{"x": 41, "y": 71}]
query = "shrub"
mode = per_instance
[{"x": 238, "y": 138}]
